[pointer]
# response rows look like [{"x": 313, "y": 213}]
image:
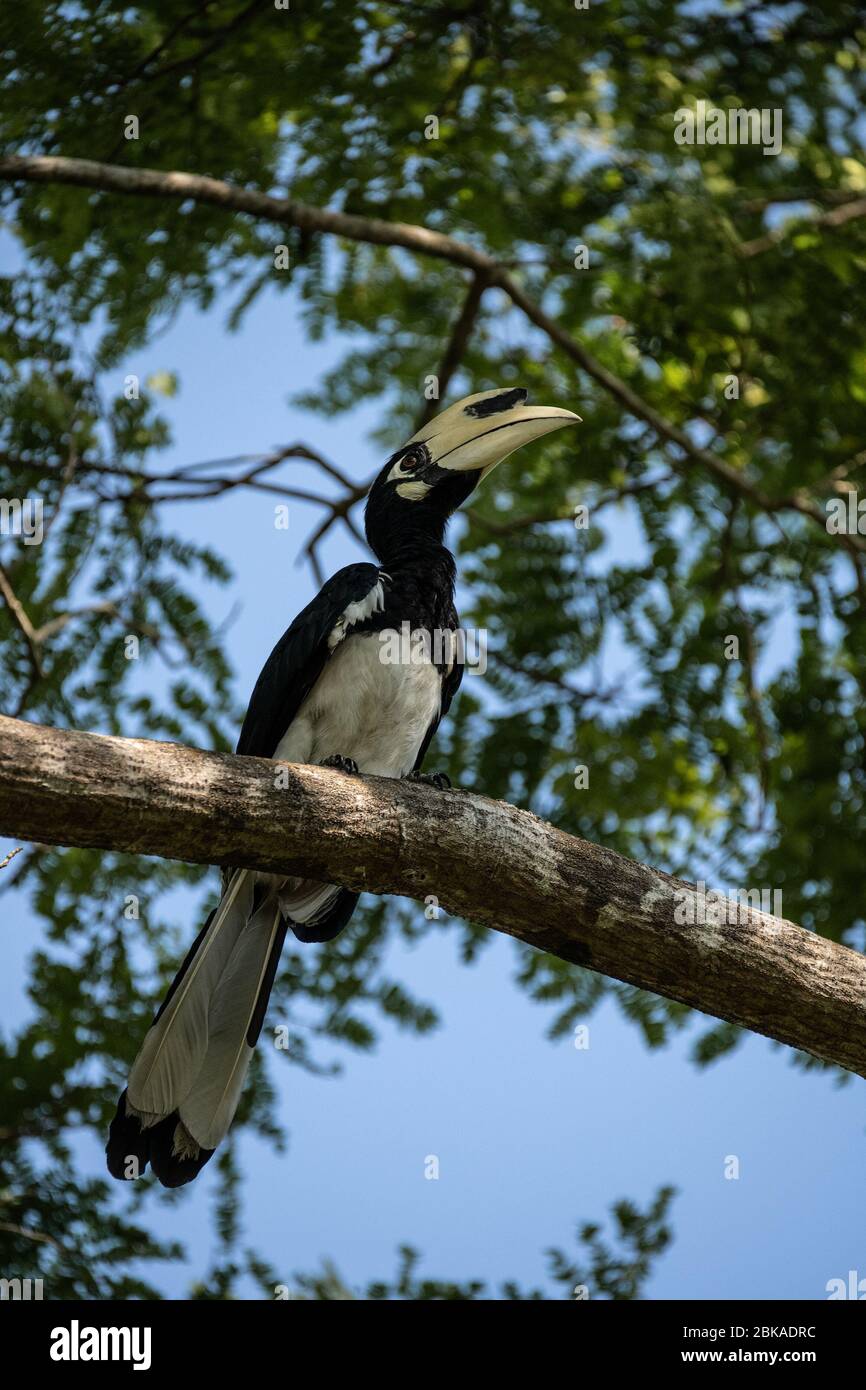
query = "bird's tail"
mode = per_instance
[{"x": 187, "y": 1079}]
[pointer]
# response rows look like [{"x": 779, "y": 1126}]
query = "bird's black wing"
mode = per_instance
[{"x": 296, "y": 662}]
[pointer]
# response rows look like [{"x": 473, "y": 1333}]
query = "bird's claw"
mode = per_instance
[
  {"x": 341, "y": 764},
  {"x": 439, "y": 780}
]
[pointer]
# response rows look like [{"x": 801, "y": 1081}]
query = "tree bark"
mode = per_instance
[{"x": 482, "y": 859}]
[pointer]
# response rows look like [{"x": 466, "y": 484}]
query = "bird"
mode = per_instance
[{"x": 325, "y": 696}]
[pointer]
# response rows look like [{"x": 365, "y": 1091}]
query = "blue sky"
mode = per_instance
[{"x": 532, "y": 1136}]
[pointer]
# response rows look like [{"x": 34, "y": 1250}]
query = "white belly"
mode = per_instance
[{"x": 365, "y": 709}]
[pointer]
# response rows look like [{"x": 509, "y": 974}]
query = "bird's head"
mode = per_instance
[{"x": 437, "y": 469}]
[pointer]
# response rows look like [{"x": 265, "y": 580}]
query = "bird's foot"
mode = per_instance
[
  {"x": 341, "y": 764},
  {"x": 439, "y": 780}
]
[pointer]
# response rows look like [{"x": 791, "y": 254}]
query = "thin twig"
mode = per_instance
[
  {"x": 38, "y": 1236},
  {"x": 22, "y": 622},
  {"x": 457, "y": 345},
  {"x": 846, "y": 212}
]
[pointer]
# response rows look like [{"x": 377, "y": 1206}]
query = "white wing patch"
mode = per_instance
[{"x": 359, "y": 610}]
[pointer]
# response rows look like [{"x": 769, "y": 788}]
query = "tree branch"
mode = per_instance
[
  {"x": 22, "y": 621},
  {"x": 178, "y": 185},
  {"x": 421, "y": 241},
  {"x": 845, "y": 212},
  {"x": 482, "y": 859},
  {"x": 195, "y": 486},
  {"x": 456, "y": 346}
]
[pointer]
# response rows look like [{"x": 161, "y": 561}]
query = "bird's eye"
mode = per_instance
[{"x": 406, "y": 465}]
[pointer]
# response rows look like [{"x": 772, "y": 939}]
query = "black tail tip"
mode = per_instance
[
  {"x": 173, "y": 1168},
  {"x": 127, "y": 1148},
  {"x": 130, "y": 1148}
]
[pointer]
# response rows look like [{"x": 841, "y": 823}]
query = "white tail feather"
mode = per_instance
[
  {"x": 208, "y": 1109},
  {"x": 304, "y": 900},
  {"x": 175, "y": 1048}
]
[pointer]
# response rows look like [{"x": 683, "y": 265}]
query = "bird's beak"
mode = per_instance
[{"x": 482, "y": 430}]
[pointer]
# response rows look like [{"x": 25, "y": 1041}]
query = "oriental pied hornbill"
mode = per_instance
[{"x": 326, "y": 696}]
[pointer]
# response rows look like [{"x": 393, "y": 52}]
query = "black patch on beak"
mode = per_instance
[{"x": 494, "y": 405}]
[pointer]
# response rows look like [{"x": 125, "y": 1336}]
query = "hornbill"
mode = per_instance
[{"x": 325, "y": 696}]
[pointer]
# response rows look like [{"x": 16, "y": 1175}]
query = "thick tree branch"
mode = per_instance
[{"x": 482, "y": 859}]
